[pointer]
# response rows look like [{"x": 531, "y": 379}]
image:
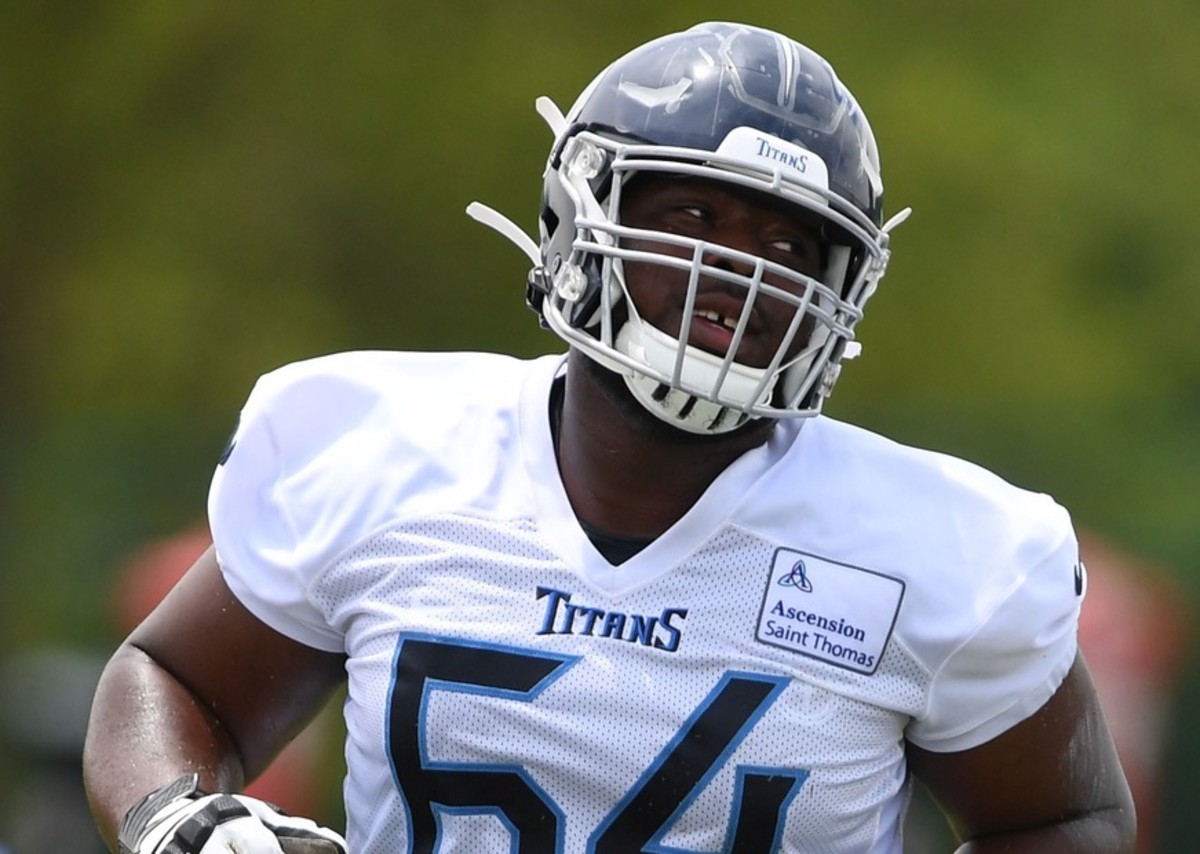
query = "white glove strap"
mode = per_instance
[{"x": 177, "y": 819}]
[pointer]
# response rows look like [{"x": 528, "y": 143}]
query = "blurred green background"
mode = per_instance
[{"x": 193, "y": 193}]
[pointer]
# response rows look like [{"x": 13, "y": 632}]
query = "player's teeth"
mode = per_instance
[{"x": 728, "y": 323}]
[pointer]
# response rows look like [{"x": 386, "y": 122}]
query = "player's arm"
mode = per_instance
[
  {"x": 1052, "y": 783},
  {"x": 201, "y": 686}
]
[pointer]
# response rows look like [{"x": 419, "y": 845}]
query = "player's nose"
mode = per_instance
[{"x": 742, "y": 240}]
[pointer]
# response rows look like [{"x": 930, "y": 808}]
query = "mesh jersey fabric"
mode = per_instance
[{"x": 747, "y": 679}]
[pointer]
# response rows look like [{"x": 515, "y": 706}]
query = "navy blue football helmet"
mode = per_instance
[{"x": 720, "y": 102}]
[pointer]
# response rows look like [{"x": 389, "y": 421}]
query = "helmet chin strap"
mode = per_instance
[
  {"x": 698, "y": 369},
  {"x": 682, "y": 410}
]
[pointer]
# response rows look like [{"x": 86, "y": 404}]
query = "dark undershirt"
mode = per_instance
[{"x": 615, "y": 548}]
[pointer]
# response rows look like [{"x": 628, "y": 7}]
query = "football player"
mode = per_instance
[{"x": 643, "y": 595}]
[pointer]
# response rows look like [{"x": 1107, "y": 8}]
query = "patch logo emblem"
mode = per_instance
[
  {"x": 797, "y": 578},
  {"x": 839, "y": 614}
]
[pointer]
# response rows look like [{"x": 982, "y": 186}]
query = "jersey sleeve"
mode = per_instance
[
  {"x": 1023, "y": 644},
  {"x": 278, "y": 505}
]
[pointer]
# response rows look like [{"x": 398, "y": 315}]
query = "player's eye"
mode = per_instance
[
  {"x": 689, "y": 213},
  {"x": 799, "y": 248},
  {"x": 687, "y": 218},
  {"x": 800, "y": 253}
]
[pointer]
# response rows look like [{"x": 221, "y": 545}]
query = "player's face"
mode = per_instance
[{"x": 727, "y": 216}]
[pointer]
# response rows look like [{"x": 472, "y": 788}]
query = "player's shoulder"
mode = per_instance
[
  {"x": 404, "y": 390},
  {"x": 937, "y": 494},
  {"x": 391, "y": 372},
  {"x": 340, "y": 444},
  {"x": 349, "y": 416},
  {"x": 988, "y": 567}
]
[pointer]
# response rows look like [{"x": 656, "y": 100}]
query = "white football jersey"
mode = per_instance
[{"x": 745, "y": 683}]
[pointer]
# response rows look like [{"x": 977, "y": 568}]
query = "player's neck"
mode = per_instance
[{"x": 623, "y": 470}]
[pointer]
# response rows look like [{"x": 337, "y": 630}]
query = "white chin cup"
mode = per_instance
[{"x": 708, "y": 404}]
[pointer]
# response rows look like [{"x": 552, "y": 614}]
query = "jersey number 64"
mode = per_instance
[{"x": 639, "y": 821}]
